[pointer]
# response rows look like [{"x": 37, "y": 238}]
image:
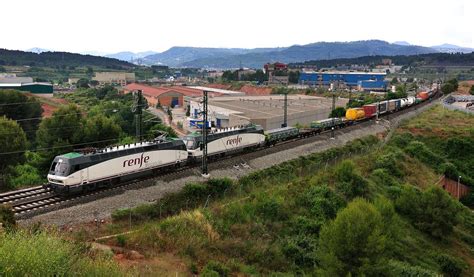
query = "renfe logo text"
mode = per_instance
[
  {"x": 234, "y": 141},
  {"x": 137, "y": 161}
]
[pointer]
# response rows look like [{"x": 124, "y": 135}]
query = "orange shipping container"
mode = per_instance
[{"x": 423, "y": 95}]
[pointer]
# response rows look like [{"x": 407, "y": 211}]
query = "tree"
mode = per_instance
[
  {"x": 294, "y": 77},
  {"x": 432, "y": 211},
  {"x": 472, "y": 90},
  {"x": 354, "y": 243},
  {"x": 82, "y": 83},
  {"x": 100, "y": 128},
  {"x": 338, "y": 112},
  {"x": 12, "y": 140},
  {"x": 16, "y": 105},
  {"x": 56, "y": 133}
]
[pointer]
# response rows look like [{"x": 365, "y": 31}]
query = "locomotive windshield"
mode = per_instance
[{"x": 60, "y": 168}]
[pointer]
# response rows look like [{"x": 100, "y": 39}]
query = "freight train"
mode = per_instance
[{"x": 77, "y": 172}]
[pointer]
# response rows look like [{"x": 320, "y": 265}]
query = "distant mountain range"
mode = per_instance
[
  {"x": 256, "y": 58},
  {"x": 223, "y": 58},
  {"x": 130, "y": 56}
]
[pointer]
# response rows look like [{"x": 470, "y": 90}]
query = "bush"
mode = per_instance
[
  {"x": 301, "y": 250},
  {"x": 270, "y": 208},
  {"x": 420, "y": 151},
  {"x": 449, "y": 265},
  {"x": 349, "y": 182},
  {"x": 390, "y": 163},
  {"x": 354, "y": 243},
  {"x": 432, "y": 211},
  {"x": 382, "y": 177},
  {"x": 322, "y": 202},
  {"x": 7, "y": 217},
  {"x": 214, "y": 268},
  {"x": 398, "y": 268}
]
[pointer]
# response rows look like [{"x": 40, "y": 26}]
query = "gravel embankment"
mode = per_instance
[{"x": 103, "y": 208}]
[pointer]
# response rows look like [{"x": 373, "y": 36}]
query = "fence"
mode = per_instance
[{"x": 454, "y": 188}]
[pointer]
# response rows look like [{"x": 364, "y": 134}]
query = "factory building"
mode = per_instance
[
  {"x": 24, "y": 84},
  {"x": 363, "y": 81},
  {"x": 114, "y": 78},
  {"x": 267, "y": 111}
]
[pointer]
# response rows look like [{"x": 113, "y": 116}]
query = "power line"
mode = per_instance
[
  {"x": 64, "y": 115},
  {"x": 56, "y": 147}
]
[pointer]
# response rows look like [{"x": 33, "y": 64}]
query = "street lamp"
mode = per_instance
[{"x": 459, "y": 179}]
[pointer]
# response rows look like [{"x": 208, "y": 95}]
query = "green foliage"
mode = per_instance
[
  {"x": 420, "y": 151},
  {"x": 338, "y": 112},
  {"x": 450, "y": 86},
  {"x": 432, "y": 211},
  {"x": 398, "y": 268},
  {"x": 12, "y": 142},
  {"x": 390, "y": 162},
  {"x": 82, "y": 83},
  {"x": 42, "y": 254},
  {"x": 156, "y": 129},
  {"x": 449, "y": 265},
  {"x": 322, "y": 202},
  {"x": 121, "y": 240},
  {"x": 27, "y": 107},
  {"x": 354, "y": 243},
  {"x": 383, "y": 177},
  {"x": 191, "y": 196},
  {"x": 348, "y": 181},
  {"x": 24, "y": 175},
  {"x": 7, "y": 217},
  {"x": 100, "y": 128},
  {"x": 270, "y": 208},
  {"x": 214, "y": 268},
  {"x": 471, "y": 91}
]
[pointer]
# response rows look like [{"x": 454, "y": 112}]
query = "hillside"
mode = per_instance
[
  {"x": 177, "y": 56},
  {"x": 367, "y": 208},
  {"x": 431, "y": 59},
  {"x": 55, "y": 59},
  {"x": 314, "y": 51}
]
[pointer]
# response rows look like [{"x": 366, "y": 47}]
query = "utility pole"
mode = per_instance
[
  {"x": 285, "y": 111},
  {"x": 205, "y": 172},
  {"x": 137, "y": 109},
  {"x": 333, "y": 108}
]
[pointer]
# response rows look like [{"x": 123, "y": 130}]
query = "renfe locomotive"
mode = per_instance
[{"x": 76, "y": 172}]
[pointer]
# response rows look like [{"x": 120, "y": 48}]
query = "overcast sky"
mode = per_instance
[{"x": 140, "y": 25}]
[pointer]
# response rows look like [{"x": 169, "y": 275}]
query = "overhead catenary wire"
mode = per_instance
[{"x": 58, "y": 147}]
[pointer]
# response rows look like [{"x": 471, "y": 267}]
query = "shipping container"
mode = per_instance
[
  {"x": 382, "y": 107},
  {"x": 394, "y": 105},
  {"x": 411, "y": 100},
  {"x": 423, "y": 95},
  {"x": 355, "y": 114},
  {"x": 370, "y": 110},
  {"x": 418, "y": 100}
]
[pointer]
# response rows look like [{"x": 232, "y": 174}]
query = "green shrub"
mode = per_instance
[
  {"x": 354, "y": 243},
  {"x": 214, "y": 268},
  {"x": 420, "y": 151},
  {"x": 322, "y": 202},
  {"x": 449, "y": 265},
  {"x": 349, "y": 182},
  {"x": 432, "y": 211},
  {"x": 301, "y": 250},
  {"x": 270, "y": 208},
  {"x": 121, "y": 240},
  {"x": 390, "y": 163},
  {"x": 382, "y": 177},
  {"x": 7, "y": 217},
  {"x": 398, "y": 268}
]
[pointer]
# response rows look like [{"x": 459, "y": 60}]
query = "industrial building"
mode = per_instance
[
  {"x": 267, "y": 111},
  {"x": 24, "y": 84},
  {"x": 114, "y": 78},
  {"x": 363, "y": 81}
]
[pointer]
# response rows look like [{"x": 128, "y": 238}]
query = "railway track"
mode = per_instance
[{"x": 36, "y": 200}]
